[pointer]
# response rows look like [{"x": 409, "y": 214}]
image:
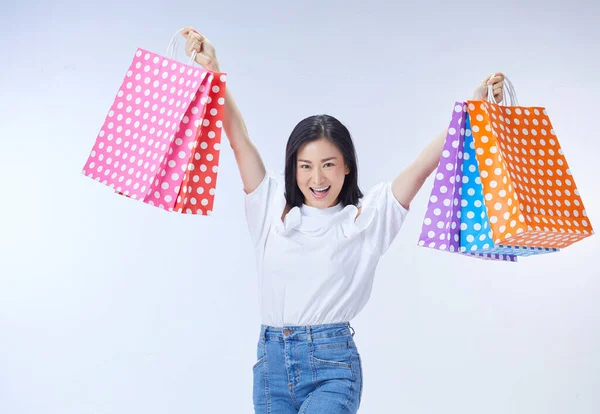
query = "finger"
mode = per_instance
[
  {"x": 193, "y": 43},
  {"x": 194, "y": 40},
  {"x": 495, "y": 81},
  {"x": 196, "y": 36},
  {"x": 192, "y": 47},
  {"x": 488, "y": 78},
  {"x": 196, "y": 46},
  {"x": 186, "y": 31},
  {"x": 498, "y": 87},
  {"x": 495, "y": 77},
  {"x": 189, "y": 30}
]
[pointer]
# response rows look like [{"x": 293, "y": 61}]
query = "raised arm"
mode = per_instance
[
  {"x": 408, "y": 183},
  {"x": 250, "y": 164}
]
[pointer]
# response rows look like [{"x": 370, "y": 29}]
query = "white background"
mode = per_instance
[{"x": 108, "y": 305}]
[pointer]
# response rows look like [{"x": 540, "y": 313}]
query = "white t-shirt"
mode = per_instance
[{"x": 317, "y": 266}]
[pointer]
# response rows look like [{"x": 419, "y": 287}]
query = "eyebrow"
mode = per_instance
[{"x": 323, "y": 160}]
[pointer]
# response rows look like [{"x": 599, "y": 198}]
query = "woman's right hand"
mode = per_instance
[{"x": 206, "y": 55}]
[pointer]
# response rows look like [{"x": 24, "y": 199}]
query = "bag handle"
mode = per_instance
[
  {"x": 172, "y": 48},
  {"x": 509, "y": 91}
]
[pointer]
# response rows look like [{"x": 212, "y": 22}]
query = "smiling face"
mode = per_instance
[{"x": 320, "y": 173}]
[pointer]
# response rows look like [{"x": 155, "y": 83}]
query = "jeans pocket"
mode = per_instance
[
  {"x": 333, "y": 354},
  {"x": 258, "y": 363},
  {"x": 260, "y": 355},
  {"x": 259, "y": 374}
]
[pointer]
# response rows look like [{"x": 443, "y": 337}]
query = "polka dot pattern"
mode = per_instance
[
  {"x": 441, "y": 226},
  {"x": 442, "y": 221},
  {"x": 529, "y": 191},
  {"x": 475, "y": 232},
  {"x": 144, "y": 147},
  {"x": 200, "y": 178}
]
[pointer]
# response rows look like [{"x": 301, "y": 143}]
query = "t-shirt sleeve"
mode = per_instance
[
  {"x": 259, "y": 205},
  {"x": 384, "y": 215}
]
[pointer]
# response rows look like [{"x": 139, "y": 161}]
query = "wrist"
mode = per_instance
[{"x": 213, "y": 66}]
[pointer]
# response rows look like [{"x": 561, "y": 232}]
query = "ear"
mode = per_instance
[{"x": 347, "y": 170}]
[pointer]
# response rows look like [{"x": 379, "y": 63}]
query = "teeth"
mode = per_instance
[{"x": 321, "y": 189}]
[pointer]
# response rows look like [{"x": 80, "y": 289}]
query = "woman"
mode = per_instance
[{"x": 317, "y": 242}]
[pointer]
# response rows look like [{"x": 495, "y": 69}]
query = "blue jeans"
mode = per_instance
[{"x": 307, "y": 369}]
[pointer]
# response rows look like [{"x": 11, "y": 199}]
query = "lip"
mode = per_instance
[{"x": 320, "y": 196}]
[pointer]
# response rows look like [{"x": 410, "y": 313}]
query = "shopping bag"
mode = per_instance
[
  {"x": 160, "y": 139},
  {"x": 441, "y": 225},
  {"x": 529, "y": 191},
  {"x": 442, "y": 220},
  {"x": 475, "y": 232}
]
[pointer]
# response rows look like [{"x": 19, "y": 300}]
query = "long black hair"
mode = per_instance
[{"x": 311, "y": 129}]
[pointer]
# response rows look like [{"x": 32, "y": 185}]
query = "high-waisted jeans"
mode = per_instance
[{"x": 307, "y": 369}]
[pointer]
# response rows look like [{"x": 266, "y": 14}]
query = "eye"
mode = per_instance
[
  {"x": 329, "y": 164},
  {"x": 304, "y": 166}
]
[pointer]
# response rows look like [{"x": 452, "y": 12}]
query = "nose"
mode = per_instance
[{"x": 318, "y": 176}]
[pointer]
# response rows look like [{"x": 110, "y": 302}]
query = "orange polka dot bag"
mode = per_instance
[{"x": 529, "y": 195}]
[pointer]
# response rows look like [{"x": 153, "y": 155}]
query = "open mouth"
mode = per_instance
[{"x": 320, "y": 192}]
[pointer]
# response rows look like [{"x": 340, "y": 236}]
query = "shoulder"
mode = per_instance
[{"x": 375, "y": 197}]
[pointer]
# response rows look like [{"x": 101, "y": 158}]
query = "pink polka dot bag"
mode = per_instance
[{"x": 161, "y": 138}]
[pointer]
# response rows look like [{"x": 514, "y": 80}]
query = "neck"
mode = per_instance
[{"x": 335, "y": 203}]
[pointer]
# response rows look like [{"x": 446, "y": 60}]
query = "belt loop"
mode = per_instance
[
  {"x": 263, "y": 333},
  {"x": 352, "y": 329},
  {"x": 309, "y": 334}
]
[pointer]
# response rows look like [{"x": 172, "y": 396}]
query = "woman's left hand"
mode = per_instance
[{"x": 497, "y": 82}]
